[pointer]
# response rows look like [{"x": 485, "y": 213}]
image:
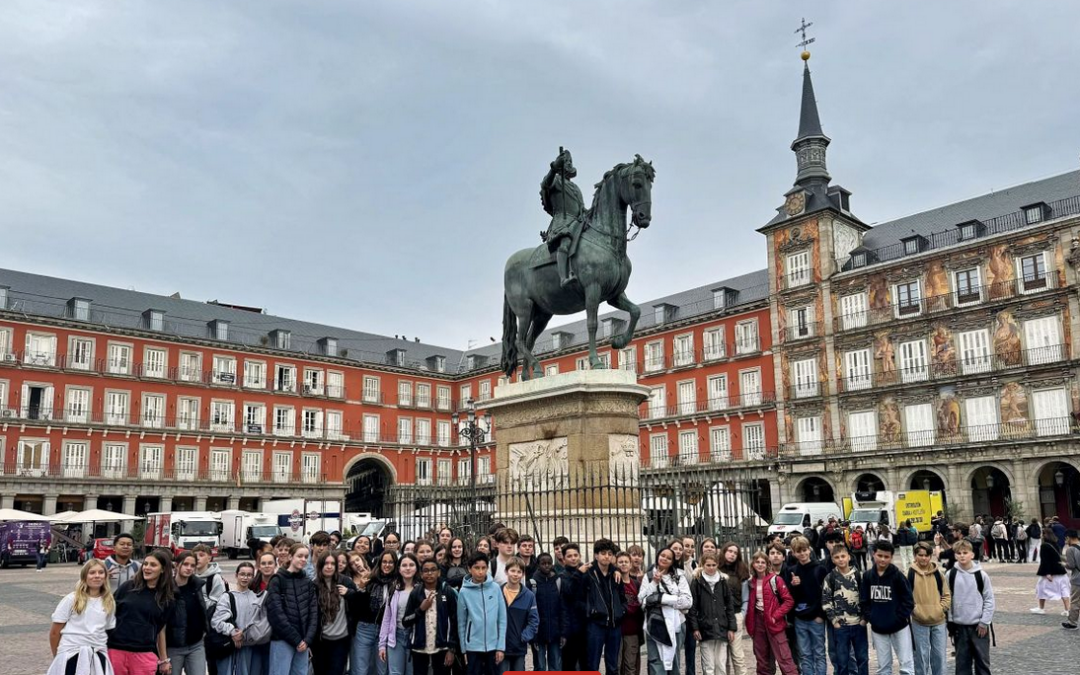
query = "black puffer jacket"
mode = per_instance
[
  {"x": 292, "y": 607},
  {"x": 713, "y": 611},
  {"x": 189, "y": 622}
]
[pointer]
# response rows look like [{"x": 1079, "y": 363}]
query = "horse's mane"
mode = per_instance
[{"x": 647, "y": 167}]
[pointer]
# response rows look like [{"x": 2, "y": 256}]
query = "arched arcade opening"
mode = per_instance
[
  {"x": 367, "y": 483},
  {"x": 1059, "y": 493}
]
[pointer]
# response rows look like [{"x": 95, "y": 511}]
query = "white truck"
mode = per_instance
[
  {"x": 240, "y": 528},
  {"x": 300, "y": 518},
  {"x": 183, "y": 530},
  {"x": 892, "y": 509},
  {"x": 795, "y": 518}
]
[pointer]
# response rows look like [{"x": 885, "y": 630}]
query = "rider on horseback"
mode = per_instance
[{"x": 562, "y": 200}]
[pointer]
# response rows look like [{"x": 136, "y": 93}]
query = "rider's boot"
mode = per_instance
[{"x": 562, "y": 262}]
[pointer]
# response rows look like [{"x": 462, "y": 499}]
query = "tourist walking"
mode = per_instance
[
  {"x": 1034, "y": 537},
  {"x": 78, "y": 637},
  {"x": 1053, "y": 583},
  {"x": 1072, "y": 565}
]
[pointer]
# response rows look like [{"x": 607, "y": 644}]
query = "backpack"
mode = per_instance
[
  {"x": 220, "y": 646},
  {"x": 979, "y": 584},
  {"x": 937, "y": 577},
  {"x": 857, "y": 542},
  {"x": 258, "y": 632},
  {"x": 998, "y": 531},
  {"x": 1021, "y": 534}
]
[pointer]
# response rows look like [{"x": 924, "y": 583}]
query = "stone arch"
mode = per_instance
[
  {"x": 970, "y": 471},
  {"x": 805, "y": 485},
  {"x": 379, "y": 457},
  {"x": 905, "y": 483},
  {"x": 859, "y": 480},
  {"x": 368, "y": 478},
  {"x": 990, "y": 499},
  {"x": 1074, "y": 462}
]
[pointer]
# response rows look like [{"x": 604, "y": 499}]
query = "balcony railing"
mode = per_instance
[
  {"x": 145, "y": 470},
  {"x": 704, "y": 457},
  {"x": 713, "y": 405}
]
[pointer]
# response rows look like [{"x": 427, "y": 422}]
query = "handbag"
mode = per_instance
[
  {"x": 258, "y": 633},
  {"x": 220, "y": 646},
  {"x": 655, "y": 623}
]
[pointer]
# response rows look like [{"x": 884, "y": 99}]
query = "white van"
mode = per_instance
[{"x": 797, "y": 517}]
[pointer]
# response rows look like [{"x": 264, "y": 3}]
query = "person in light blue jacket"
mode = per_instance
[{"x": 481, "y": 614}]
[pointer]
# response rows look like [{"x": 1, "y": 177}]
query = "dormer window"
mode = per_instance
[
  {"x": 663, "y": 313},
  {"x": 4, "y": 297},
  {"x": 329, "y": 347},
  {"x": 474, "y": 361},
  {"x": 561, "y": 339},
  {"x": 970, "y": 229},
  {"x": 1035, "y": 213},
  {"x": 396, "y": 357},
  {"x": 913, "y": 245},
  {"x": 219, "y": 330},
  {"x": 437, "y": 363},
  {"x": 858, "y": 259},
  {"x": 80, "y": 309},
  {"x": 155, "y": 320},
  {"x": 281, "y": 339},
  {"x": 610, "y": 326},
  {"x": 723, "y": 297},
  {"x": 967, "y": 231}
]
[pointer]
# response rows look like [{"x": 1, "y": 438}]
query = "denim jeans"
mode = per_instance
[
  {"x": 330, "y": 656},
  {"x": 285, "y": 660},
  {"x": 481, "y": 663},
  {"x": 691, "y": 653},
  {"x": 811, "y": 637},
  {"x": 852, "y": 650},
  {"x": 245, "y": 661},
  {"x": 931, "y": 644},
  {"x": 548, "y": 656},
  {"x": 188, "y": 660},
  {"x": 365, "y": 649},
  {"x": 899, "y": 642},
  {"x": 399, "y": 657},
  {"x": 604, "y": 639},
  {"x": 655, "y": 663},
  {"x": 972, "y": 651},
  {"x": 515, "y": 663}
]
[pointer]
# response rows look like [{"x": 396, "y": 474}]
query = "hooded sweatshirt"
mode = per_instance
[
  {"x": 840, "y": 597},
  {"x": 120, "y": 574},
  {"x": 930, "y": 605},
  {"x": 968, "y": 607},
  {"x": 807, "y": 594},
  {"x": 886, "y": 600},
  {"x": 1072, "y": 563},
  {"x": 481, "y": 616},
  {"x": 215, "y": 587}
]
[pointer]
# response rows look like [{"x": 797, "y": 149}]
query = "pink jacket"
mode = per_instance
[{"x": 775, "y": 610}]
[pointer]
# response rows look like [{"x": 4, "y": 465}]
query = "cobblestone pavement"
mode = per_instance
[{"x": 1027, "y": 643}]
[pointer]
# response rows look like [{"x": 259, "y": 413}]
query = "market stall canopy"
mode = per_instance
[
  {"x": 97, "y": 516},
  {"x": 62, "y": 516},
  {"x": 16, "y": 514}
]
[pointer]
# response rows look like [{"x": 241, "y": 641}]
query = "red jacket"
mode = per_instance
[{"x": 775, "y": 610}]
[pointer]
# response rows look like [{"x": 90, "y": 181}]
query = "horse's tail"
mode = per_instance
[{"x": 509, "y": 361}]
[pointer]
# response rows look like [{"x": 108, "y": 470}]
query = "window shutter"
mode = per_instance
[
  {"x": 981, "y": 422},
  {"x": 1042, "y": 340}
]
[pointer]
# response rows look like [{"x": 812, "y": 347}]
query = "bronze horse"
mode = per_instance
[{"x": 532, "y": 294}]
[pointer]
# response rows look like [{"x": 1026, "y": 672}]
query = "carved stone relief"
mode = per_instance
[
  {"x": 623, "y": 458},
  {"x": 540, "y": 464}
]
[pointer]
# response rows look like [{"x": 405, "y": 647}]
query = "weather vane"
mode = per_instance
[{"x": 806, "y": 42}]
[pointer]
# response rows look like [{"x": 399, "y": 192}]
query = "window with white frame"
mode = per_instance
[
  {"x": 254, "y": 418},
  {"x": 311, "y": 468},
  {"x": 808, "y": 433},
  {"x": 687, "y": 394},
  {"x": 282, "y": 467},
  {"x": 335, "y": 384},
  {"x": 155, "y": 362},
  {"x": 284, "y": 421},
  {"x": 119, "y": 359},
  {"x": 220, "y": 465},
  {"x": 404, "y": 394},
  {"x": 117, "y": 405},
  {"x": 582, "y": 363},
  {"x": 41, "y": 350},
  {"x": 423, "y": 471},
  {"x": 862, "y": 430},
  {"x": 1033, "y": 214},
  {"x": 5, "y": 345},
  {"x": 187, "y": 413},
  {"x": 919, "y": 425},
  {"x": 1051, "y": 412},
  {"x": 627, "y": 359},
  {"x": 1042, "y": 340},
  {"x": 688, "y": 447},
  {"x": 190, "y": 367},
  {"x": 967, "y": 288},
  {"x": 483, "y": 469},
  {"x": 720, "y": 444},
  {"x": 719, "y": 298},
  {"x": 658, "y": 402},
  {"x": 371, "y": 428},
  {"x": 114, "y": 461},
  {"x": 753, "y": 440},
  {"x": 718, "y": 392},
  {"x": 654, "y": 356},
  {"x": 423, "y": 432},
  {"x": 746, "y": 337},
  {"x": 76, "y": 459},
  {"x": 750, "y": 387},
  {"x": 222, "y": 415},
  {"x": 551, "y": 369},
  {"x": 285, "y": 378},
  {"x": 404, "y": 430},
  {"x": 4, "y": 290},
  {"x": 801, "y": 322},
  {"x": 255, "y": 374},
  {"x": 153, "y": 411},
  {"x": 658, "y": 451},
  {"x": 220, "y": 330},
  {"x": 713, "y": 343},
  {"x": 282, "y": 339},
  {"x": 857, "y": 370},
  {"x": 464, "y": 470},
  {"x": 444, "y": 471},
  {"x": 3, "y": 400},
  {"x": 186, "y": 463},
  {"x": 683, "y": 346},
  {"x": 371, "y": 391},
  {"x": 913, "y": 364},
  {"x": 151, "y": 461},
  {"x": 981, "y": 418},
  {"x": 335, "y": 425},
  {"x": 853, "y": 310},
  {"x": 465, "y": 392},
  {"x": 798, "y": 269},
  {"x": 423, "y": 396},
  {"x": 155, "y": 320},
  {"x": 77, "y": 406},
  {"x": 311, "y": 423},
  {"x": 224, "y": 369},
  {"x": 908, "y": 299},
  {"x": 805, "y": 377},
  {"x": 975, "y": 351},
  {"x": 251, "y": 466},
  {"x": 1032, "y": 272},
  {"x": 80, "y": 355},
  {"x": 33, "y": 457},
  {"x": 314, "y": 382},
  {"x": 442, "y": 431},
  {"x": 485, "y": 390}
]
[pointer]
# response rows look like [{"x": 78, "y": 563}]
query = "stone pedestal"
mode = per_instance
[{"x": 568, "y": 456}]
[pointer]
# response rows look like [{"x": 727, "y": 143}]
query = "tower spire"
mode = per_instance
[{"x": 810, "y": 146}]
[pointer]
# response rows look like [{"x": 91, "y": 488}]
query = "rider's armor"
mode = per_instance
[{"x": 562, "y": 199}]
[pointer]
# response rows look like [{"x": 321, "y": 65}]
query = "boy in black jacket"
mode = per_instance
[
  {"x": 604, "y": 608},
  {"x": 887, "y": 602},
  {"x": 573, "y": 593},
  {"x": 550, "y": 637},
  {"x": 805, "y": 586}
]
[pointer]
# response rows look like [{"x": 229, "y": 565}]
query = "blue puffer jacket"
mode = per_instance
[
  {"x": 522, "y": 620},
  {"x": 481, "y": 617},
  {"x": 549, "y": 605}
]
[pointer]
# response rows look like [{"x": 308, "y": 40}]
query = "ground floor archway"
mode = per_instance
[
  {"x": 366, "y": 484},
  {"x": 991, "y": 492},
  {"x": 815, "y": 489},
  {"x": 869, "y": 482},
  {"x": 1059, "y": 493},
  {"x": 925, "y": 479}
]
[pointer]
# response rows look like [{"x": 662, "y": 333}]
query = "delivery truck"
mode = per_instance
[
  {"x": 300, "y": 518},
  {"x": 183, "y": 530},
  {"x": 19, "y": 541},
  {"x": 892, "y": 509},
  {"x": 242, "y": 530},
  {"x": 795, "y": 518}
]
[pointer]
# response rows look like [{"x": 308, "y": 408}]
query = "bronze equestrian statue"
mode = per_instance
[{"x": 597, "y": 269}]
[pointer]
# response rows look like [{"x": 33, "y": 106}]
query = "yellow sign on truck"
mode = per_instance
[{"x": 918, "y": 506}]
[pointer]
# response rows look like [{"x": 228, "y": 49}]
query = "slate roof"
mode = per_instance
[{"x": 809, "y": 122}]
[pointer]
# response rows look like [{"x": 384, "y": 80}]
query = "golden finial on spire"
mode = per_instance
[{"x": 806, "y": 42}]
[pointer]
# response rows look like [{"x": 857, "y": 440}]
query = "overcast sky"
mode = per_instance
[{"x": 372, "y": 164}]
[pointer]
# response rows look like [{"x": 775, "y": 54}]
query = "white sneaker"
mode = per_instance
[
  {"x": 1038, "y": 610},
  {"x": 1064, "y": 612}
]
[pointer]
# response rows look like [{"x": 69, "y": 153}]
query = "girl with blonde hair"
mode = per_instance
[{"x": 78, "y": 638}]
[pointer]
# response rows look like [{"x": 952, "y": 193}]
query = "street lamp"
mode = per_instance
[
  {"x": 476, "y": 432},
  {"x": 926, "y": 484},
  {"x": 989, "y": 480},
  {"x": 1059, "y": 477}
]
